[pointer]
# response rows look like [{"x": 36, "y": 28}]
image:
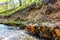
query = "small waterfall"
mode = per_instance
[{"x": 13, "y": 34}]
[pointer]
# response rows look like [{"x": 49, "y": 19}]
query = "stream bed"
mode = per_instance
[{"x": 12, "y": 33}]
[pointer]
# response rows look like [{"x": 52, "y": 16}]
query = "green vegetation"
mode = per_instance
[
  {"x": 4, "y": 0},
  {"x": 9, "y": 8},
  {"x": 8, "y": 5}
]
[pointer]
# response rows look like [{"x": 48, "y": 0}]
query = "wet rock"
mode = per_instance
[{"x": 52, "y": 1}]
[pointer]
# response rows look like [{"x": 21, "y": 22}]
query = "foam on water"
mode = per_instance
[{"x": 9, "y": 34}]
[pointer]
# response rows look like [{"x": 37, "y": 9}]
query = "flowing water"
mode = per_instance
[{"x": 11, "y": 33}]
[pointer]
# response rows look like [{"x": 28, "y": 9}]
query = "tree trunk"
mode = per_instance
[{"x": 20, "y": 2}]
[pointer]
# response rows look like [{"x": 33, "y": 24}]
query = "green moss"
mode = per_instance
[{"x": 9, "y": 12}]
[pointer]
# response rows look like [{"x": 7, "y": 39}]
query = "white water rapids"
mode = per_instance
[{"x": 11, "y": 33}]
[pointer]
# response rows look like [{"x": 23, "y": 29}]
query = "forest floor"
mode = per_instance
[{"x": 35, "y": 15}]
